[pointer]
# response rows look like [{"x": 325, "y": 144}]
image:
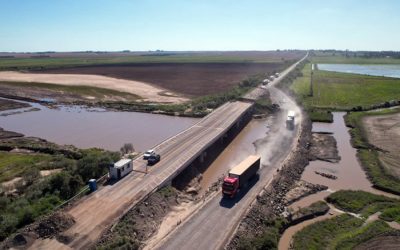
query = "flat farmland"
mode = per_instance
[{"x": 191, "y": 79}]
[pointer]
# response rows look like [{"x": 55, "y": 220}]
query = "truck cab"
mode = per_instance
[{"x": 230, "y": 186}]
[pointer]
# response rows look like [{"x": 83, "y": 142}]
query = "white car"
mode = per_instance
[{"x": 148, "y": 153}]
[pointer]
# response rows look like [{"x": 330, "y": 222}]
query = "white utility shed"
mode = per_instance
[{"x": 121, "y": 168}]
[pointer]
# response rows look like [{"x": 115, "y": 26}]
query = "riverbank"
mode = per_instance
[
  {"x": 375, "y": 136},
  {"x": 9, "y": 105},
  {"x": 37, "y": 176}
]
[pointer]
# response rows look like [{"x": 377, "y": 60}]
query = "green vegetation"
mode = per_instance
[
  {"x": 321, "y": 92},
  {"x": 16, "y": 164},
  {"x": 58, "y": 62},
  {"x": 351, "y": 57},
  {"x": 366, "y": 204},
  {"x": 340, "y": 232},
  {"x": 368, "y": 154},
  {"x": 342, "y": 91},
  {"x": 274, "y": 226},
  {"x": 35, "y": 195}
]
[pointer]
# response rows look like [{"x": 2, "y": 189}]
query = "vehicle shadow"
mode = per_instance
[{"x": 230, "y": 202}]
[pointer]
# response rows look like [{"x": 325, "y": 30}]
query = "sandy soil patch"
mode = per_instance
[
  {"x": 146, "y": 91},
  {"x": 384, "y": 132},
  {"x": 50, "y": 172}
]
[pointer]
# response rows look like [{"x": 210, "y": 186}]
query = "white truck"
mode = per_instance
[{"x": 290, "y": 120}]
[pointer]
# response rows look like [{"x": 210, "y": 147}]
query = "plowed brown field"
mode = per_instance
[{"x": 193, "y": 79}]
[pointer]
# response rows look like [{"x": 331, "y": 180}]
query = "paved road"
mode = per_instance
[
  {"x": 211, "y": 226},
  {"x": 96, "y": 212}
]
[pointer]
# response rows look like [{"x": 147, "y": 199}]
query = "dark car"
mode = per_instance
[{"x": 153, "y": 159}]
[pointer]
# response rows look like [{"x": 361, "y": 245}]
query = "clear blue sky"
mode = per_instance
[{"x": 74, "y": 25}]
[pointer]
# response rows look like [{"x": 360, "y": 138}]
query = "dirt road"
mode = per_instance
[
  {"x": 148, "y": 92},
  {"x": 211, "y": 226}
]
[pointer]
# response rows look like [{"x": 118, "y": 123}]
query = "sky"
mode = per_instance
[{"x": 182, "y": 25}]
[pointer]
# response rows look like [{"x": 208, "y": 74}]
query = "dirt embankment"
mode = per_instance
[
  {"x": 4, "y": 134},
  {"x": 142, "y": 221},
  {"x": 9, "y": 104},
  {"x": 324, "y": 148},
  {"x": 47, "y": 227},
  {"x": 271, "y": 203}
]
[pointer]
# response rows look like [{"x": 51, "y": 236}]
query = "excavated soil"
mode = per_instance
[
  {"x": 324, "y": 148},
  {"x": 47, "y": 227},
  {"x": 142, "y": 221}
]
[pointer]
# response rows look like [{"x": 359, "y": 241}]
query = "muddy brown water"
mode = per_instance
[
  {"x": 348, "y": 170},
  {"x": 86, "y": 128}
]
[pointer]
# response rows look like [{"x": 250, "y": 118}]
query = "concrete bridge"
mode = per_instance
[{"x": 95, "y": 213}]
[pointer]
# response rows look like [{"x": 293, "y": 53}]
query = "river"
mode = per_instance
[
  {"x": 391, "y": 70},
  {"x": 86, "y": 128}
]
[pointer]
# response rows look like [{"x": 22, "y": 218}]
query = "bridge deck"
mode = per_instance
[{"x": 96, "y": 212}]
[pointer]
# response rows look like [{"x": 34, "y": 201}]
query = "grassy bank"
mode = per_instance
[
  {"x": 368, "y": 154},
  {"x": 365, "y": 204},
  {"x": 35, "y": 195},
  {"x": 346, "y": 231},
  {"x": 341, "y": 232}
]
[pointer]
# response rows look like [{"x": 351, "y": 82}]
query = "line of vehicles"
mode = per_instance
[{"x": 270, "y": 79}]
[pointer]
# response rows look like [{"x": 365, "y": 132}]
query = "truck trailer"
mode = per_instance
[{"x": 240, "y": 175}]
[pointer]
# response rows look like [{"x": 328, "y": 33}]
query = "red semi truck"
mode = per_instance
[{"x": 240, "y": 175}]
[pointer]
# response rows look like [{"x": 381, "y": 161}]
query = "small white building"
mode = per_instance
[{"x": 121, "y": 168}]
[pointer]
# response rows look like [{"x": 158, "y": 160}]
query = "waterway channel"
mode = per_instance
[
  {"x": 388, "y": 70},
  {"x": 348, "y": 170}
]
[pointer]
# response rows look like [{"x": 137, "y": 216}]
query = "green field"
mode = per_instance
[
  {"x": 341, "y": 91},
  {"x": 339, "y": 57},
  {"x": 102, "y": 59},
  {"x": 341, "y": 232}
]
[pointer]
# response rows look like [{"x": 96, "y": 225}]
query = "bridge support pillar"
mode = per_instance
[{"x": 202, "y": 156}]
